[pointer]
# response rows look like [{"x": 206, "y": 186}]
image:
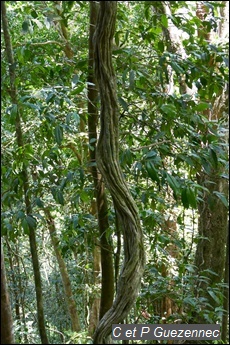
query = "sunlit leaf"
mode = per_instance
[
  {"x": 202, "y": 106},
  {"x": 164, "y": 20}
]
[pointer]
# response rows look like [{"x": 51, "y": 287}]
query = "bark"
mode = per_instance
[
  {"x": 213, "y": 214},
  {"x": 212, "y": 225},
  {"x": 16, "y": 281},
  {"x": 107, "y": 159},
  {"x": 224, "y": 332},
  {"x": 107, "y": 282},
  {"x": 24, "y": 176},
  {"x": 19, "y": 288},
  {"x": 7, "y": 334},
  {"x": 76, "y": 327},
  {"x": 174, "y": 45},
  {"x": 118, "y": 252},
  {"x": 60, "y": 23},
  {"x": 94, "y": 313}
]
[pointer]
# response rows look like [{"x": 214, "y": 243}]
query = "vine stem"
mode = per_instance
[{"x": 107, "y": 158}]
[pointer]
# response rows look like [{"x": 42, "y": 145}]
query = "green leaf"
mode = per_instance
[
  {"x": 172, "y": 181},
  {"x": 33, "y": 14},
  {"x": 123, "y": 103},
  {"x": 20, "y": 215},
  {"x": 59, "y": 197},
  {"x": 214, "y": 296},
  {"x": 161, "y": 46},
  {"x": 82, "y": 175},
  {"x": 58, "y": 132},
  {"x": 25, "y": 226},
  {"x": 191, "y": 198},
  {"x": 169, "y": 109},
  {"x": 222, "y": 197},
  {"x": 39, "y": 202},
  {"x": 184, "y": 198},
  {"x": 84, "y": 196},
  {"x": 214, "y": 158},
  {"x": 25, "y": 26},
  {"x": 126, "y": 157},
  {"x": 117, "y": 39},
  {"x": 75, "y": 221},
  {"x": 50, "y": 97},
  {"x": 8, "y": 226},
  {"x": 177, "y": 68},
  {"x": 76, "y": 117},
  {"x": 151, "y": 154},
  {"x": 152, "y": 172},
  {"x": 191, "y": 301},
  {"x": 13, "y": 113},
  {"x": 202, "y": 106},
  {"x": 186, "y": 159},
  {"x": 68, "y": 118},
  {"x": 75, "y": 80},
  {"x": 31, "y": 221},
  {"x": 39, "y": 24},
  {"x": 47, "y": 22},
  {"x": 63, "y": 183},
  {"x": 131, "y": 79},
  {"x": 93, "y": 140},
  {"x": 78, "y": 90},
  {"x": 164, "y": 20}
]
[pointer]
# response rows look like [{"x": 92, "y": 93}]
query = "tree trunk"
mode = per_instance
[
  {"x": 95, "y": 309},
  {"x": 107, "y": 281},
  {"x": 15, "y": 279},
  {"x": 107, "y": 159},
  {"x": 224, "y": 332},
  {"x": 212, "y": 226},
  {"x": 24, "y": 176},
  {"x": 7, "y": 335},
  {"x": 76, "y": 327},
  {"x": 213, "y": 214},
  {"x": 18, "y": 289}
]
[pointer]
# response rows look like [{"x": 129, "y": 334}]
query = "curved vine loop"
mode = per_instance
[{"x": 107, "y": 157}]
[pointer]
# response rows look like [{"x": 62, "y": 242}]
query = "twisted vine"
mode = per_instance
[{"x": 107, "y": 158}]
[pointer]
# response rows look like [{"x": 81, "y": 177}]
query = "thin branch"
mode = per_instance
[
  {"x": 38, "y": 44},
  {"x": 150, "y": 145}
]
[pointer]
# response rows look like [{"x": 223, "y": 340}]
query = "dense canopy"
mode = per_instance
[{"x": 114, "y": 160}]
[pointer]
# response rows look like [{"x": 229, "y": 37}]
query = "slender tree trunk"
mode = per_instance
[
  {"x": 24, "y": 176},
  {"x": 225, "y": 324},
  {"x": 76, "y": 327},
  {"x": 95, "y": 309},
  {"x": 107, "y": 281},
  {"x": 118, "y": 252},
  {"x": 16, "y": 289},
  {"x": 174, "y": 45},
  {"x": 107, "y": 158},
  {"x": 7, "y": 334},
  {"x": 212, "y": 225}
]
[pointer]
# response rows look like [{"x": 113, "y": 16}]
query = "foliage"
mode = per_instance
[{"x": 165, "y": 142}]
